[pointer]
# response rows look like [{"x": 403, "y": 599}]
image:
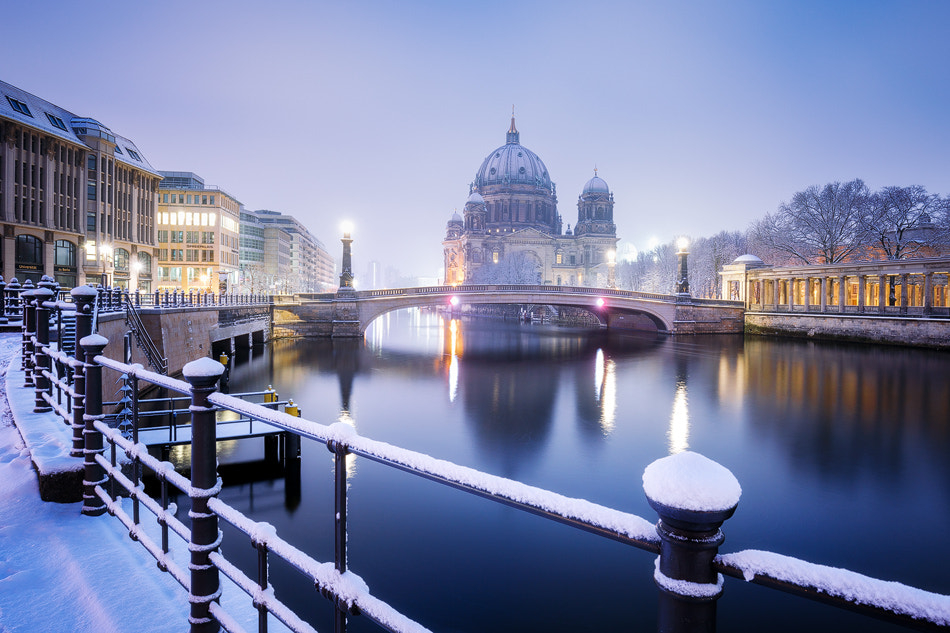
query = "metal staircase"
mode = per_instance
[{"x": 134, "y": 322}]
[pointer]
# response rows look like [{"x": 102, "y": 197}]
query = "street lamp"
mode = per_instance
[
  {"x": 682, "y": 273},
  {"x": 346, "y": 275}
]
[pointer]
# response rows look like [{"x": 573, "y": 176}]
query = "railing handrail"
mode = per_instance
[
  {"x": 921, "y": 609},
  {"x": 146, "y": 344}
]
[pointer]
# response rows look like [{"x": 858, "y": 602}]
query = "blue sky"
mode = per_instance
[{"x": 701, "y": 116}]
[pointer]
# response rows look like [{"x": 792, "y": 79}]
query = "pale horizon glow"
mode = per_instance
[{"x": 700, "y": 117}]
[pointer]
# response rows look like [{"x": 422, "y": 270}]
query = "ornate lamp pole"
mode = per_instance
[
  {"x": 682, "y": 273},
  {"x": 346, "y": 276}
]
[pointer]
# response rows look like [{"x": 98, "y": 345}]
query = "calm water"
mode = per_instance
[{"x": 842, "y": 453}]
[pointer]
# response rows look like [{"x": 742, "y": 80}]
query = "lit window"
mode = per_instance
[{"x": 19, "y": 106}]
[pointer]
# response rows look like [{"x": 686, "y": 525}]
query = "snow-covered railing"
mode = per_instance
[{"x": 692, "y": 495}]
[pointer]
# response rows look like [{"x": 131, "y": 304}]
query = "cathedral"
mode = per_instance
[{"x": 510, "y": 230}]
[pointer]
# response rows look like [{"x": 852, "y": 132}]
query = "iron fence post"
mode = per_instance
[
  {"x": 203, "y": 374},
  {"x": 41, "y": 360},
  {"x": 83, "y": 297},
  {"x": 340, "y": 452},
  {"x": 94, "y": 475},
  {"x": 689, "y": 537},
  {"x": 29, "y": 330}
]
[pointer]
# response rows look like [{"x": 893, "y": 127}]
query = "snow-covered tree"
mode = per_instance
[
  {"x": 821, "y": 225},
  {"x": 906, "y": 221}
]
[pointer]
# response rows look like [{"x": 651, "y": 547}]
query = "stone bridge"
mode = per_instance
[{"x": 349, "y": 312}]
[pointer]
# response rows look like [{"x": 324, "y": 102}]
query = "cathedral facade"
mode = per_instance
[{"x": 510, "y": 230}]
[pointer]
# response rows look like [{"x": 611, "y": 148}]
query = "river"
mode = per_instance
[{"x": 841, "y": 451}]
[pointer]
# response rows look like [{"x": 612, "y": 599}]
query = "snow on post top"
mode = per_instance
[
  {"x": 93, "y": 339},
  {"x": 203, "y": 368},
  {"x": 83, "y": 291},
  {"x": 690, "y": 481}
]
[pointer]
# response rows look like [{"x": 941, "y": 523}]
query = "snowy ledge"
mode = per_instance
[{"x": 841, "y": 583}]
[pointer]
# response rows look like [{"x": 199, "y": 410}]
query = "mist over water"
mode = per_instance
[{"x": 840, "y": 451}]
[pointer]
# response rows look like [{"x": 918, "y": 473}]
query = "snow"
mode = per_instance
[
  {"x": 62, "y": 572},
  {"x": 685, "y": 587},
  {"x": 203, "y": 368},
  {"x": 842, "y": 583},
  {"x": 690, "y": 481}
]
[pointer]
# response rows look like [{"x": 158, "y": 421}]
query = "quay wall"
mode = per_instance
[{"x": 912, "y": 331}]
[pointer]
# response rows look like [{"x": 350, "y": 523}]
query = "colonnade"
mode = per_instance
[{"x": 924, "y": 293}]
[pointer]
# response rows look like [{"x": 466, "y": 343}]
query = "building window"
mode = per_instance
[
  {"x": 559, "y": 259},
  {"x": 65, "y": 254},
  {"x": 121, "y": 260},
  {"x": 29, "y": 250},
  {"x": 177, "y": 237},
  {"x": 162, "y": 236},
  {"x": 164, "y": 198},
  {"x": 145, "y": 263},
  {"x": 192, "y": 237},
  {"x": 177, "y": 255},
  {"x": 494, "y": 257},
  {"x": 56, "y": 121},
  {"x": 19, "y": 106},
  {"x": 133, "y": 154},
  {"x": 207, "y": 237},
  {"x": 204, "y": 199}
]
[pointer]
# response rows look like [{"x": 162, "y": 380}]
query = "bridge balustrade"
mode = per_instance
[{"x": 688, "y": 571}]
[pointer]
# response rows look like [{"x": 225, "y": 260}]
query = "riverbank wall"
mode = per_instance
[{"x": 882, "y": 330}]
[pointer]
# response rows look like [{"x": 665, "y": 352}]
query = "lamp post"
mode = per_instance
[
  {"x": 346, "y": 276},
  {"x": 682, "y": 272}
]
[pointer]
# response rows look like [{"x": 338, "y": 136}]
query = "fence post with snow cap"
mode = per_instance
[
  {"x": 693, "y": 497},
  {"x": 83, "y": 297},
  {"x": 93, "y": 473},
  {"x": 29, "y": 331},
  {"x": 202, "y": 374},
  {"x": 41, "y": 360}
]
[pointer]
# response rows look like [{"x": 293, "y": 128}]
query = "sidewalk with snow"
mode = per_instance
[{"x": 60, "y": 571}]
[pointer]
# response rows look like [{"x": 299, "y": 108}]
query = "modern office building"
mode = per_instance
[
  {"x": 77, "y": 201},
  {"x": 280, "y": 254},
  {"x": 198, "y": 235},
  {"x": 511, "y": 232}
]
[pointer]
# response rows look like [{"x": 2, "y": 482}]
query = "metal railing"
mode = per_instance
[
  {"x": 145, "y": 342},
  {"x": 687, "y": 541}
]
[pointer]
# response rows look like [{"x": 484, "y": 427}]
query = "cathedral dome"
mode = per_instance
[
  {"x": 513, "y": 164},
  {"x": 596, "y": 185},
  {"x": 475, "y": 198}
]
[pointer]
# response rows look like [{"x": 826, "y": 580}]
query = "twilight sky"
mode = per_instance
[{"x": 701, "y": 116}]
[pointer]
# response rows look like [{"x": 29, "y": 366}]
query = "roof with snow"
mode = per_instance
[{"x": 27, "y": 109}]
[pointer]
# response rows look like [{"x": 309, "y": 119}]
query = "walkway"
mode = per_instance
[{"x": 61, "y": 571}]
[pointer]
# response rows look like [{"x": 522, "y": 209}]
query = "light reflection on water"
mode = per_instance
[{"x": 841, "y": 452}]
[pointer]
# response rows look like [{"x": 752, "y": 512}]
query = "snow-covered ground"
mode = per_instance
[{"x": 61, "y": 571}]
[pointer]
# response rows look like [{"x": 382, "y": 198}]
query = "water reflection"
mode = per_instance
[{"x": 822, "y": 438}]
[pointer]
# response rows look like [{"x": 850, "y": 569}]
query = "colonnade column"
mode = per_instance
[
  {"x": 882, "y": 293},
  {"x": 790, "y": 291},
  {"x": 807, "y": 293},
  {"x": 862, "y": 289},
  {"x": 928, "y": 293},
  {"x": 904, "y": 279},
  {"x": 824, "y": 293},
  {"x": 842, "y": 292},
  {"x": 776, "y": 291}
]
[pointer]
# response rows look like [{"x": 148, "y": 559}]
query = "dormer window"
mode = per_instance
[
  {"x": 56, "y": 121},
  {"x": 19, "y": 106},
  {"x": 133, "y": 153}
]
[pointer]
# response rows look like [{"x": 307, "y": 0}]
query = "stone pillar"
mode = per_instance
[
  {"x": 776, "y": 291},
  {"x": 823, "y": 281},
  {"x": 842, "y": 293},
  {"x": 862, "y": 291},
  {"x": 904, "y": 281},
  {"x": 882, "y": 293},
  {"x": 203, "y": 374},
  {"x": 790, "y": 291},
  {"x": 693, "y": 496},
  {"x": 807, "y": 293},
  {"x": 928, "y": 293}
]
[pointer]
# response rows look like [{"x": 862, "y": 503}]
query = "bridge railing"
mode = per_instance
[{"x": 688, "y": 568}]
